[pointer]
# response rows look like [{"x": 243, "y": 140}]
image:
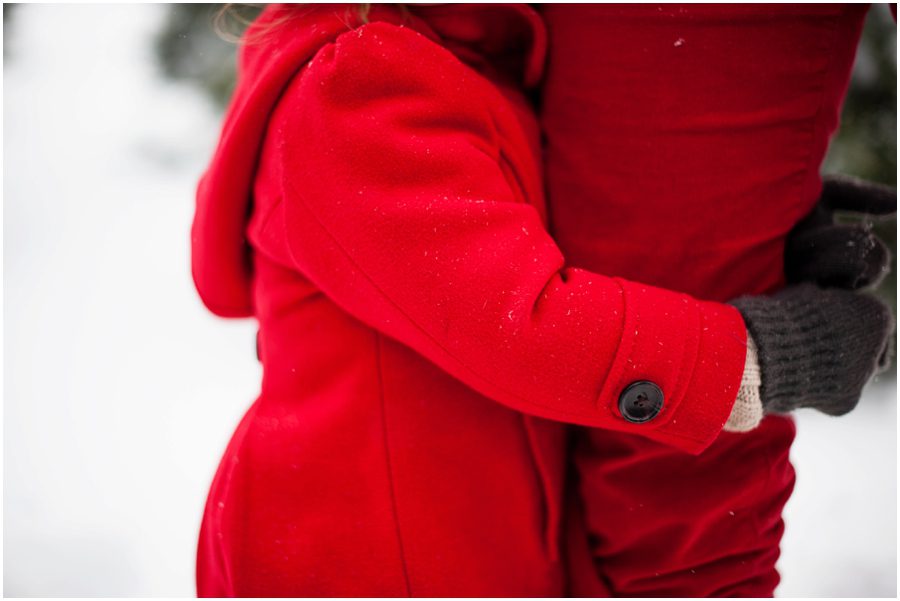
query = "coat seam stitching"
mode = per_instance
[
  {"x": 550, "y": 513},
  {"x": 225, "y": 488},
  {"x": 614, "y": 371},
  {"x": 389, "y": 466},
  {"x": 687, "y": 368},
  {"x": 270, "y": 214}
]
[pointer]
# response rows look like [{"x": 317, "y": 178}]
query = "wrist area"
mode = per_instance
[
  {"x": 702, "y": 344},
  {"x": 747, "y": 411},
  {"x": 792, "y": 352}
]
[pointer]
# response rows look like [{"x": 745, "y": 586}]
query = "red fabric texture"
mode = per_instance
[
  {"x": 423, "y": 336},
  {"x": 683, "y": 143}
]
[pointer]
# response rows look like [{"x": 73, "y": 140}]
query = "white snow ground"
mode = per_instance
[{"x": 121, "y": 390}]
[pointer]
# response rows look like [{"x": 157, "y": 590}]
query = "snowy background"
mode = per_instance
[{"x": 121, "y": 391}]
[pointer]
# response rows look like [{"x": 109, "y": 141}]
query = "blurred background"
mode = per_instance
[{"x": 121, "y": 391}]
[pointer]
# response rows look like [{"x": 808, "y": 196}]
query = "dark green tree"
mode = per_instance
[
  {"x": 197, "y": 44},
  {"x": 866, "y": 144}
]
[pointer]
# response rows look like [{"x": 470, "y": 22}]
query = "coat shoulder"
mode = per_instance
[
  {"x": 397, "y": 51},
  {"x": 381, "y": 61}
]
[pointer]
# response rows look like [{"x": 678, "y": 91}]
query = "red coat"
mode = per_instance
[
  {"x": 417, "y": 320},
  {"x": 683, "y": 143}
]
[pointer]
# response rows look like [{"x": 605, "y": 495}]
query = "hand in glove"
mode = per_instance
[
  {"x": 816, "y": 348},
  {"x": 793, "y": 366},
  {"x": 836, "y": 255}
]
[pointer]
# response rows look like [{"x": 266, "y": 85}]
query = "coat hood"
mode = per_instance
[{"x": 506, "y": 38}]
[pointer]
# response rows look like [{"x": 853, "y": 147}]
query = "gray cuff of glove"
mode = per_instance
[{"x": 747, "y": 411}]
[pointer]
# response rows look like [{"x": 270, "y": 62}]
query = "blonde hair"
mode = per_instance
[{"x": 231, "y": 21}]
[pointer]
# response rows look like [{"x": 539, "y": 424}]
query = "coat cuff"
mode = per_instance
[{"x": 694, "y": 351}]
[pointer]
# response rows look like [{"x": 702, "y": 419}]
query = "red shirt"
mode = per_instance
[{"x": 684, "y": 141}]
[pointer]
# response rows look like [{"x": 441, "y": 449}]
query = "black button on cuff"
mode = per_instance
[{"x": 641, "y": 401}]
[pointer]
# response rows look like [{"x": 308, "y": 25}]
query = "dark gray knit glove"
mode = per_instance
[
  {"x": 841, "y": 255},
  {"x": 817, "y": 347}
]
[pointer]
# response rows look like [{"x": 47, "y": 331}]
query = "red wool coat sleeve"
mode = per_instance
[{"x": 403, "y": 203}]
